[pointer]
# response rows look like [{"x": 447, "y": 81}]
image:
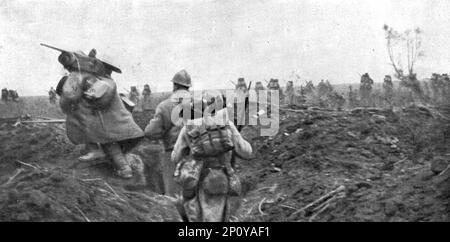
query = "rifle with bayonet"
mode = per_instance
[{"x": 79, "y": 61}]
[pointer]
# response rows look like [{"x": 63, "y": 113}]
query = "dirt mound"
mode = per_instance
[
  {"x": 56, "y": 195},
  {"x": 33, "y": 143},
  {"x": 42, "y": 180},
  {"x": 390, "y": 163},
  {"x": 378, "y": 155}
]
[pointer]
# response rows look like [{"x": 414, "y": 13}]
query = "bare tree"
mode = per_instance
[{"x": 401, "y": 48}]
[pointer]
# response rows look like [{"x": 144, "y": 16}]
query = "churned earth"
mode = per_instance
[
  {"x": 41, "y": 180},
  {"x": 389, "y": 166}
]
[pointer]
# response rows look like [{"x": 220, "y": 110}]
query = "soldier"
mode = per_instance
[
  {"x": 300, "y": 98},
  {"x": 436, "y": 86},
  {"x": 259, "y": 86},
  {"x": 290, "y": 94},
  {"x": 336, "y": 99},
  {"x": 203, "y": 157},
  {"x": 324, "y": 88},
  {"x": 134, "y": 95},
  {"x": 52, "y": 95},
  {"x": 365, "y": 89},
  {"x": 14, "y": 95},
  {"x": 309, "y": 87},
  {"x": 388, "y": 90},
  {"x": 162, "y": 127},
  {"x": 146, "y": 97},
  {"x": 275, "y": 85},
  {"x": 241, "y": 85},
  {"x": 5, "y": 95},
  {"x": 446, "y": 85},
  {"x": 351, "y": 97},
  {"x": 95, "y": 112}
]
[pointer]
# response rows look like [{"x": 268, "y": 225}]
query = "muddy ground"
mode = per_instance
[
  {"x": 41, "y": 180},
  {"x": 384, "y": 159}
]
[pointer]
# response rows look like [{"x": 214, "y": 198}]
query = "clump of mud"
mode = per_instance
[
  {"x": 378, "y": 156},
  {"x": 55, "y": 195},
  {"x": 390, "y": 164},
  {"x": 42, "y": 180}
]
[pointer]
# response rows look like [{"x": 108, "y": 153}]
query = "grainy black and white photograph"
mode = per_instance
[{"x": 224, "y": 111}]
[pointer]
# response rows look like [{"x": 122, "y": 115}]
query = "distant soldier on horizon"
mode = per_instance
[
  {"x": 275, "y": 85},
  {"x": 241, "y": 85},
  {"x": 352, "y": 102},
  {"x": 52, "y": 95},
  {"x": 337, "y": 100},
  {"x": 5, "y": 95},
  {"x": 309, "y": 87},
  {"x": 259, "y": 86},
  {"x": 324, "y": 88},
  {"x": 146, "y": 97},
  {"x": 290, "y": 93},
  {"x": 436, "y": 87},
  {"x": 134, "y": 95},
  {"x": 13, "y": 95},
  {"x": 365, "y": 90},
  {"x": 388, "y": 90}
]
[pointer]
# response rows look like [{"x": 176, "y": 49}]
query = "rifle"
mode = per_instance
[
  {"x": 233, "y": 83},
  {"x": 26, "y": 120},
  {"x": 81, "y": 62},
  {"x": 249, "y": 86}
]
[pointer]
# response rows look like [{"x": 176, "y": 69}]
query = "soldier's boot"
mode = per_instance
[
  {"x": 168, "y": 169},
  {"x": 121, "y": 164},
  {"x": 95, "y": 153}
]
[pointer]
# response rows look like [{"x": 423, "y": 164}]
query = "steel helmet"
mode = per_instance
[{"x": 182, "y": 78}]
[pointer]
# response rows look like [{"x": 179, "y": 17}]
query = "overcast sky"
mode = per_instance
[{"x": 216, "y": 41}]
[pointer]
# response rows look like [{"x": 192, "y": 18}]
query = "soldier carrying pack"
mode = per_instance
[{"x": 203, "y": 153}]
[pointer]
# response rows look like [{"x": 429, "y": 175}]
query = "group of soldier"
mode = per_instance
[
  {"x": 435, "y": 90},
  {"x": 324, "y": 91},
  {"x": 439, "y": 88},
  {"x": 135, "y": 97},
  {"x": 199, "y": 159},
  {"x": 9, "y": 95},
  {"x": 288, "y": 95},
  {"x": 196, "y": 164}
]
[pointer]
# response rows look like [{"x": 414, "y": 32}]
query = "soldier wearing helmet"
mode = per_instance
[
  {"x": 5, "y": 94},
  {"x": 162, "y": 127},
  {"x": 290, "y": 93},
  {"x": 52, "y": 95},
  {"x": 259, "y": 86},
  {"x": 134, "y": 95},
  {"x": 241, "y": 85},
  {"x": 95, "y": 112},
  {"x": 203, "y": 153},
  {"x": 146, "y": 97}
]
